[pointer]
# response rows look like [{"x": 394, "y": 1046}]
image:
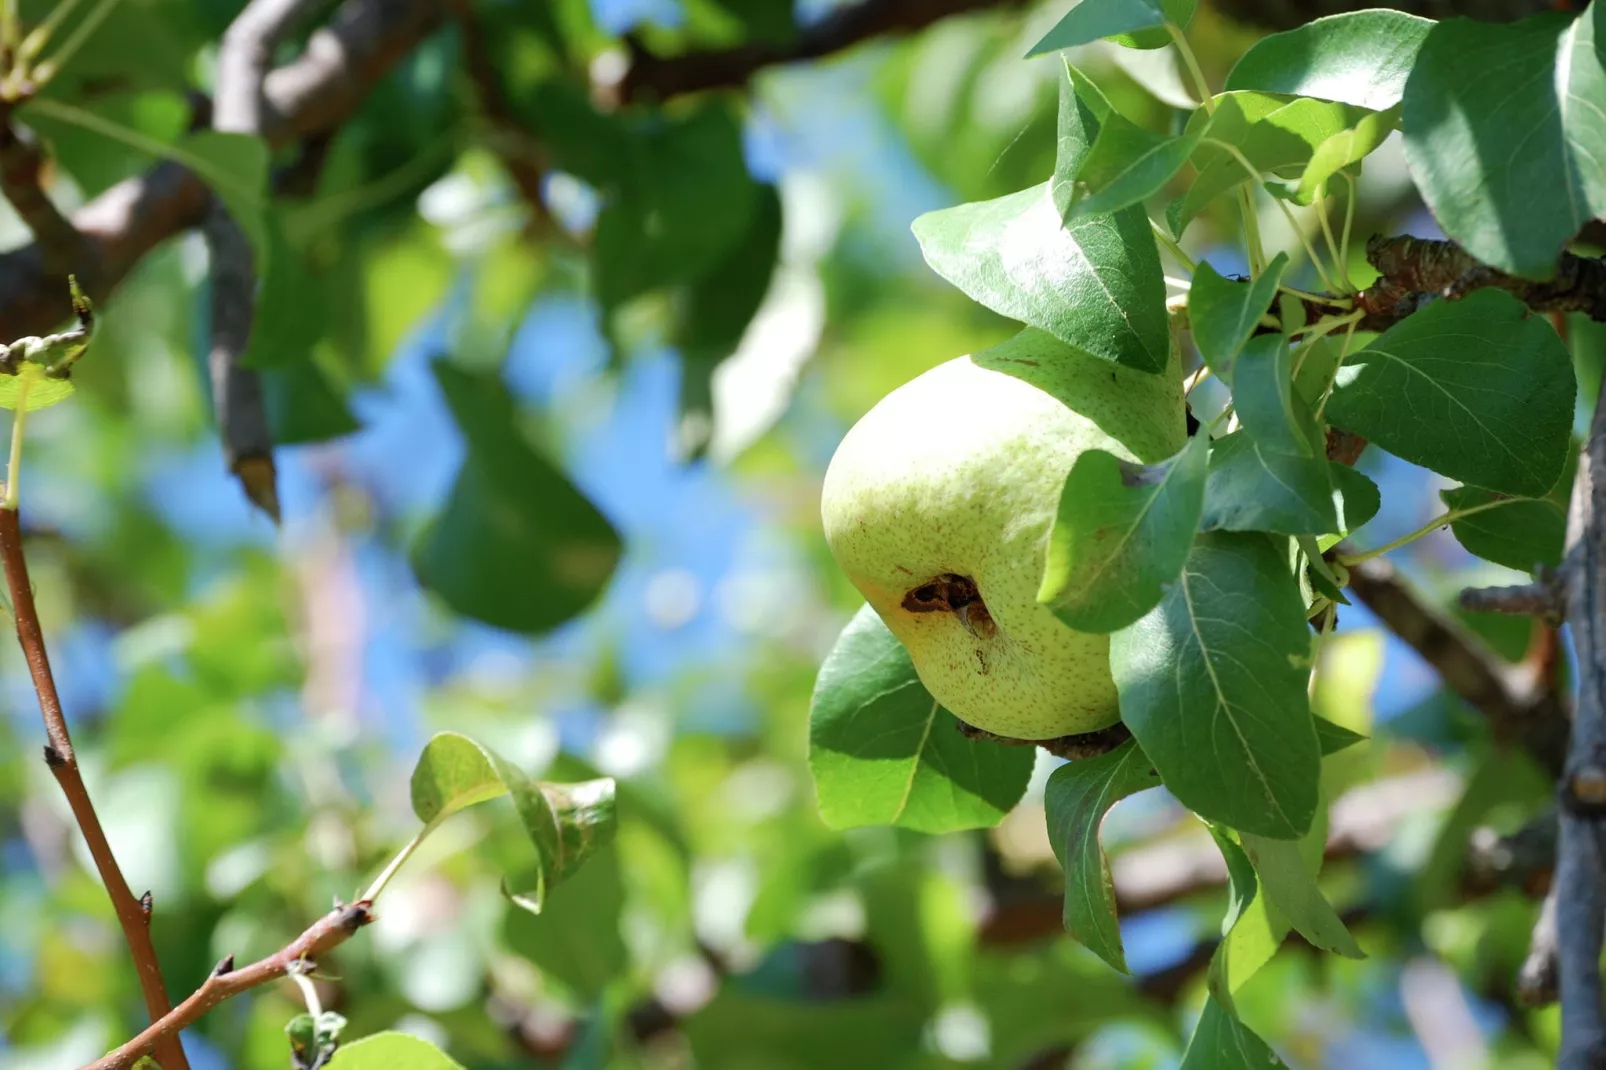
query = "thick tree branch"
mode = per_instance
[
  {"x": 324, "y": 935},
  {"x": 308, "y": 97},
  {"x": 1417, "y": 270},
  {"x": 1543, "y": 598},
  {"x": 1520, "y": 704},
  {"x": 654, "y": 77},
  {"x": 1581, "y": 859},
  {"x": 133, "y": 914},
  {"x": 21, "y": 167},
  {"x": 238, "y": 108}
]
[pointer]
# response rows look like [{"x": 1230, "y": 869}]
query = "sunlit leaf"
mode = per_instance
[
  {"x": 1360, "y": 57},
  {"x": 391, "y": 1051}
]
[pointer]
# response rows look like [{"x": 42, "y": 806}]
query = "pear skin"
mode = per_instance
[{"x": 938, "y": 504}]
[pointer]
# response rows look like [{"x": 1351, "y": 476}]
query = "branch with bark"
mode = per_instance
[
  {"x": 226, "y": 981},
  {"x": 133, "y": 914}
]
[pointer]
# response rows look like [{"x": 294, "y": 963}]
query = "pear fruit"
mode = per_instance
[{"x": 938, "y": 504}]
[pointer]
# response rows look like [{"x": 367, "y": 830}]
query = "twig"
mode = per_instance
[
  {"x": 21, "y": 167},
  {"x": 312, "y": 95},
  {"x": 225, "y": 981},
  {"x": 525, "y": 167},
  {"x": 650, "y": 76},
  {"x": 133, "y": 914},
  {"x": 1520, "y": 703},
  {"x": 1581, "y": 859},
  {"x": 1543, "y": 598},
  {"x": 1536, "y": 980},
  {"x": 237, "y": 398}
]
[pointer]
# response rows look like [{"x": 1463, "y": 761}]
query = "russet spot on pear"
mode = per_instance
[{"x": 938, "y": 504}]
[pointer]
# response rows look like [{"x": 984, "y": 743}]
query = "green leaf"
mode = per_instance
[
  {"x": 1292, "y": 888},
  {"x": 1251, "y": 488},
  {"x": 1122, "y": 532},
  {"x": 1343, "y": 149},
  {"x": 575, "y": 938},
  {"x": 1335, "y": 737},
  {"x": 1356, "y": 496},
  {"x": 1517, "y": 533},
  {"x": 1219, "y": 669},
  {"x": 1090, "y": 20},
  {"x": 1263, "y": 396},
  {"x": 884, "y": 752},
  {"x": 1177, "y": 12},
  {"x": 391, "y": 1051},
  {"x": 516, "y": 545},
  {"x": 685, "y": 203},
  {"x": 1076, "y": 799},
  {"x": 1477, "y": 389},
  {"x": 1222, "y": 1042},
  {"x": 715, "y": 313},
  {"x": 743, "y": 1030},
  {"x": 1095, "y": 284},
  {"x": 43, "y": 391},
  {"x": 1250, "y": 932},
  {"x": 1224, "y": 314},
  {"x": 1081, "y": 106},
  {"x": 566, "y": 823},
  {"x": 1127, "y": 165},
  {"x": 1361, "y": 58},
  {"x": 1505, "y": 138}
]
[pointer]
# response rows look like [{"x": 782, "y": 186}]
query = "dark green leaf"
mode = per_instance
[
  {"x": 1122, "y": 532},
  {"x": 1251, "y": 488},
  {"x": 1515, "y": 532},
  {"x": 236, "y": 167},
  {"x": 1264, "y": 399},
  {"x": 1250, "y": 932},
  {"x": 1361, "y": 58},
  {"x": 1222, "y": 1042},
  {"x": 1090, "y": 20},
  {"x": 1504, "y": 136},
  {"x": 1177, "y": 12},
  {"x": 1127, "y": 165},
  {"x": 391, "y": 1051},
  {"x": 1292, "y": 888},
  {"x": 884, "y": 752},
  {"x": 1358, "y": 498},
  {"x": 1080, "y": 108},
  {"x": 566, "y": 823},
  {"x": 290, "y": 316},
  {"x": 748, "y": 1031},
  {"x": 1219, "y": 668},
  {"x": 1095, "y": 284},
  {"x": 716, "y": 312},
  {"x": 1477, "y": 389},
  {"x": 516, "y": 545},
  {"x": 1078, "y": 796},
  {"x": 1223, "y": 314},
  {"x": 1335, "y": 737}
]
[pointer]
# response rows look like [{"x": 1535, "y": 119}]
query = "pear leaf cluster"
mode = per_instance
[{"x": 1205, "y": 574}]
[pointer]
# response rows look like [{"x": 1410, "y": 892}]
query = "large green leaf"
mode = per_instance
[
  {"x": 1212, "y": 683},
  {"x": 1251, "y": 488},
  {"x": 884, "y": 752},
  {"x": 1518, "y": 533},
  {"x": 1094, "y": 284},
  {"x": 1264, "y": 399},
  {"x": 1341, "y": 150},
  {"x": 391, "y": 1051},
  {"x": 1121, "y": 533},
  {"x": 566, "y": 823},
  {"x": 1476, "y": 389},
  {"x": 1221, "y": 1042},
  {"x": 1361, "y": 58},
  {"x": 1127, "y": 165},
  {"x": 1288, "y": 882},
  {"x": 576, "y": 938},
  {"x": 1505, "y": 136},
  {"x": 1224, "y": 314},
  {"x": 1090, "y": 20},
  {"x": 1080, "y": 106},
  {"x": 1077, "y": 797},
  {"x": 516, "y": 545},
  {"x": 1251, "y": 931}
]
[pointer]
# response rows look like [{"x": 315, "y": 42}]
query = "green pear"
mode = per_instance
[{"x": 938, "y": 503}]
